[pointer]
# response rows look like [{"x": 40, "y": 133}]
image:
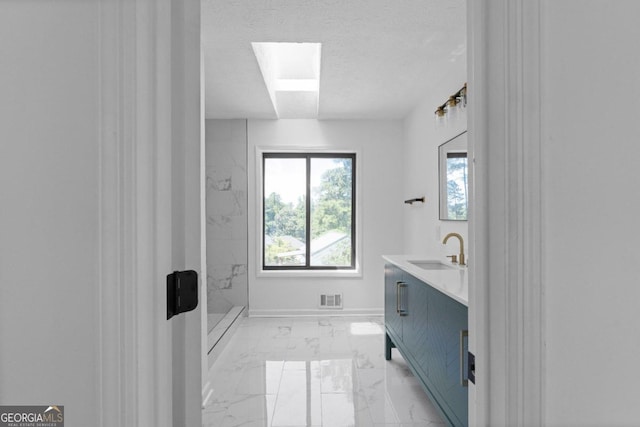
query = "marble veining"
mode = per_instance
[
  {"x": 325, "y": 371},
  {"x": 219, "y": 180},
  {"x": 224, "y": 276}
]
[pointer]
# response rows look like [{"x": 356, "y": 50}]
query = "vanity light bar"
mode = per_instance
[{"x": 458, "y": 98}]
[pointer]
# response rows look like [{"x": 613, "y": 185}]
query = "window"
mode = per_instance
[
  {"x": 453, "y": 169},
  {"x": 457, "y": 186},
  {"x": 308, "y": 217}
]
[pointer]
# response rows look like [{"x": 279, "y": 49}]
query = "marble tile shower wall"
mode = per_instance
[{"x": 226, "y": 169}]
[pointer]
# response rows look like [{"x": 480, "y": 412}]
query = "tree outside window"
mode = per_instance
[{"x": 457, "y": 186}]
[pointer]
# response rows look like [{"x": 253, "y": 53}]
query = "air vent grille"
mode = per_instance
[{"x": 331, "y": 301}]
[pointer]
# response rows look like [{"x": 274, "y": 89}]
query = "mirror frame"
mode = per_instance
[{"x": 457, "y": 144}]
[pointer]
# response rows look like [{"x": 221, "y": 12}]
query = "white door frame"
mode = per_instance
[
  {"x": 506, "y": 273},
  {"x": 187, "y": 145},
  {"x": 140, "y": 123}
]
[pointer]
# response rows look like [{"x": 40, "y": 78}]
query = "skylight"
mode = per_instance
[
  {"x": 291, "y": 72},
  {"x": 297, "y": 85}
]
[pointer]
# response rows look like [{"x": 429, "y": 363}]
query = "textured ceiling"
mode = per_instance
[{"x": 379, "y": 57}]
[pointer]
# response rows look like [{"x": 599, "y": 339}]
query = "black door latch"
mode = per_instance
[{"x": 182, "y": 292}]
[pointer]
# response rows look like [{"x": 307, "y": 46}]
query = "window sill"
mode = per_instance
[{"x": 327, "y": 274}]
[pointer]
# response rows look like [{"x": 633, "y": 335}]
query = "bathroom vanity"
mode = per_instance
[{"x": 426, "y": 320}]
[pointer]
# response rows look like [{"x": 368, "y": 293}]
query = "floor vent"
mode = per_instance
[{"x": 331, "y": 301}]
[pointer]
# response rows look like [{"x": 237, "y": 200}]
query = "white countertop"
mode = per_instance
[{"x": 451, "y": 282}]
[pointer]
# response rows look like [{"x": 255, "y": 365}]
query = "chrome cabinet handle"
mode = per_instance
[
  {"x": 464, "y": 382},
  {"x": 402, "y": 297}
]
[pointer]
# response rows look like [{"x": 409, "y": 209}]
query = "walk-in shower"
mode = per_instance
[{"x": 226, "y": 211}]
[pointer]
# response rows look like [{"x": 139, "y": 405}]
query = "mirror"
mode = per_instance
[{"x": 453, "y": 173}]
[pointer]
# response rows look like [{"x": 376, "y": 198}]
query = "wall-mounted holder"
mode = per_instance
[
  {"x": 412, "y": 201},
  {"x": 182, "y": 292}
]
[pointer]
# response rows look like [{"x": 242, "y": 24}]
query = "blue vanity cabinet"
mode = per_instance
[
  {"x": 430, "y": 331},
  {"x": 447, "y": 353},
  {"x": 392, "y": 301}
]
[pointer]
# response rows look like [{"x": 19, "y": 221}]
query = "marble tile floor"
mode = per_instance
[{"x": 325, "y": 371}]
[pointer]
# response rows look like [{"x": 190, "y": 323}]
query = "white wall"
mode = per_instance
[
  {"x": 591, "y": 165},
  {"x": 50, "y": 206},
  {"x": 423, "y": 231},
  {"x": 379, "y": 144}
]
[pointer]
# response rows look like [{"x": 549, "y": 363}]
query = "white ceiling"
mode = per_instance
[{"x": 379, "y": 57}]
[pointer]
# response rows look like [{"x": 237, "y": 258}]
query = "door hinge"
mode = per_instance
[{"x": 182, "y": 292}]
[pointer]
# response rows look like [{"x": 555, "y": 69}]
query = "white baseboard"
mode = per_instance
[{"x": 315, "y": 312}]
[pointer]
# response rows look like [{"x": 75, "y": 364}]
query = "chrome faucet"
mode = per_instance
[{"x": 453, "y": 257}]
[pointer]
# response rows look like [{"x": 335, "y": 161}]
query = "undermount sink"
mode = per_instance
[{"x": 431, "y": 265}]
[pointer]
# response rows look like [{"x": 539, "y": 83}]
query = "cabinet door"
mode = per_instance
[
  {"x": 447, "y": 343},
  {"x": 415, "y": 324},
  {"x": 392, "y": 319}
]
